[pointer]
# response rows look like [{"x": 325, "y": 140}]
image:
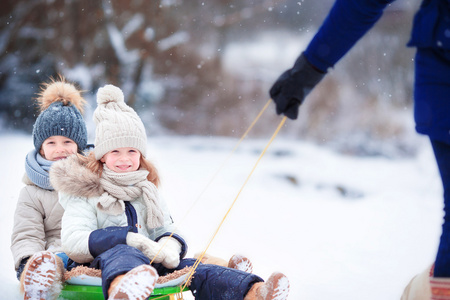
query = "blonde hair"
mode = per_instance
[{"x": 96, "y": 166}]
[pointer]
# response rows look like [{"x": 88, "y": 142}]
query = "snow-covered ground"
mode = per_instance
[{"x": 339, "y": 227}]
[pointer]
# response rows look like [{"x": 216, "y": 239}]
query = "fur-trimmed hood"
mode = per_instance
[
  {"x": 80, "y": 194},
  {"x": 71, "y": 177}
]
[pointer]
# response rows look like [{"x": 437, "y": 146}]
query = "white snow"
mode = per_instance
[
  {"x": 338, "y": 227},
  {"x": 264, "y": 58},
  {"x": 173, "y": 40},
  {"x": 123, "y": 54}
]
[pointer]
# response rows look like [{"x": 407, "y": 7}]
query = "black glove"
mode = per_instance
[{"x": 291, "y": 88}]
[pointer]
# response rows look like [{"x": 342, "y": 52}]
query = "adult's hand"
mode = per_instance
[{"x": 292, "y": 87}]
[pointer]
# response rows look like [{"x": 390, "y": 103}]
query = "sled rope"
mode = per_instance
[
  {"x": 226, "y": 159},
  {"x": 215, "y": 174},
  {"x": 197, "y": 262}
]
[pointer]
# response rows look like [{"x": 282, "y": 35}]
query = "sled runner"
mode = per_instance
[{"x": 89, "y": 287}]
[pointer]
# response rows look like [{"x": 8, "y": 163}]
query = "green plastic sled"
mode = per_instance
[{"x": 87, "y": 292}]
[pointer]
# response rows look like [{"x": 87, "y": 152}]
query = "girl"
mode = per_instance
[
  {"x": 115, "y": 221},
  {"x": 58, "y": 132}
]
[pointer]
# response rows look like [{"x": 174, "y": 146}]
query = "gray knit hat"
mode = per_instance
[
  {"x": 61, "y": 106},
  {"x": 118, "y": 125}
]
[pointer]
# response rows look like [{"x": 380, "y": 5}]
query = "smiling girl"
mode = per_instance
[
  {"x": 122, "y": 160},
  {"x": 115, "y": 220}
]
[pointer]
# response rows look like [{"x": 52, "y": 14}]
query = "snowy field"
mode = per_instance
[{"x": 339, "y": 227}]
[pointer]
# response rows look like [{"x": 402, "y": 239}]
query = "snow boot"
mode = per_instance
[
  {"x": 240, "y": 262},
  {"x": 237, "y": 262},
  {"x": 136, "y": 284},
  {"x": 42, "y": 277},
  {"x": 275, "y": 288}
]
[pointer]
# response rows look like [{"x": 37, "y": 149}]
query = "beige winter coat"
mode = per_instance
[
  {"x": 37, "y": 222},
  {"x": 419, "y": 287}
]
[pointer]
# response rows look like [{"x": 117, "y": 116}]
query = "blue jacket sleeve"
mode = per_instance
[
  {"x": 345, "y": 24},
  {"x": 104, "y": 239}
]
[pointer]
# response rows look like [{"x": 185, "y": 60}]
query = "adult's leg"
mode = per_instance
[{"x": 442, "y": 154}]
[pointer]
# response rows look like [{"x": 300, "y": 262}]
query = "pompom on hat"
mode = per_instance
[
  {"x": 118, "y": 125},
  {"x": 61, "y": 106}
]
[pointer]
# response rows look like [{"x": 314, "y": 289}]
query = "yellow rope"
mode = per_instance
[
  {"x": 197, "y": 262},
  {"x": 215, "y": 174},
  {"x": 180, "y": 295},
  {"x": 226, "y": 159}
]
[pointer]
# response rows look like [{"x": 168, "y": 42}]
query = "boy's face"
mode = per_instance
[
  {"x": 122, "y": 160},
  {"x": 58, "y": 147}
]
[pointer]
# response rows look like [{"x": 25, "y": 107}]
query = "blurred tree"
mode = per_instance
[
  {"x": 168, "y": 58},
  {"x": 151, "y": 49}
]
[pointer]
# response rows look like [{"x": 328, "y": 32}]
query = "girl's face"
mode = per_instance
[
  {"x": 122, "y": 160},
  {"x": 57, "y": 147}
]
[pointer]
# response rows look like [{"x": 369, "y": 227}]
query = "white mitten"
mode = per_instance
[
  {"x": 147, "y": 246},
  {"x": 172, "y": 250}
]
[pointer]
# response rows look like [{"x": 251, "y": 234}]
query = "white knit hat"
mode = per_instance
[{"x": 118, "y": 125}]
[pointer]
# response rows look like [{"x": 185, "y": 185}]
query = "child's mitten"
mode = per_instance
[
  {"x": 147, "y": 246},
  {"x": 172, "y": 250}
]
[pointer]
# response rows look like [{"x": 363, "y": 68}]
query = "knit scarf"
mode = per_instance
[
  {"x": 37, "y": 169},
  {"x": 120, "y": 187}
]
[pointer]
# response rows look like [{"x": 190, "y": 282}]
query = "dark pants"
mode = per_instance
[
  {"x": 117, "y": 261},
  {"x": 219, "y": 283},
  {"x": 442, "y": 154},
  {"x": 208, "y": 282}
]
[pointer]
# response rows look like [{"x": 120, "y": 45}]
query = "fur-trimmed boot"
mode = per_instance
[
  {"x": 238, "y": 262},
  {"x": 275, "y": 288},
  {"x": 136, "y": 284},
  {"x": 42, "y": 277}
]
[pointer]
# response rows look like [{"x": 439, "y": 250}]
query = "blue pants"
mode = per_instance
[
  {"x": 208, "y": 282},
  {"x": 442, "y": 154},
  {"x": 65, "y": 259}
]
